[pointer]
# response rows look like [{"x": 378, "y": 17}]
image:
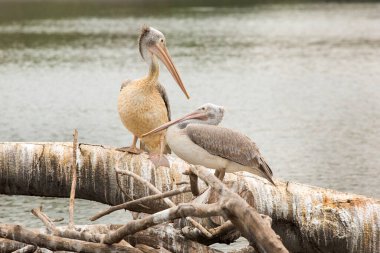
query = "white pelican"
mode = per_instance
[
  {"x": 143, "y": 103},
  {"x": 197, "y": 139}
]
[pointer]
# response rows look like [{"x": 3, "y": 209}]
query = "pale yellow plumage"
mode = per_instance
[
  {"x": 142, "y": 108},
  {"x": 143, "y": 104}
]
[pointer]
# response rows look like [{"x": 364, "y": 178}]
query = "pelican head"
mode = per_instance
[
  {"x": 209, "y": 114},
  {"x": 152, "y": 43}
]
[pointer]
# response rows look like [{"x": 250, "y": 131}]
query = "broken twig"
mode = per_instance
[
  {"x": 45, "y": 220},
  {"x": 141, "y": 200}
]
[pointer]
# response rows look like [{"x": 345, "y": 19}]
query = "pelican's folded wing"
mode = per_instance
[
  {"x": 228, "y": 144},
  {"x": 165, "y": 97}
]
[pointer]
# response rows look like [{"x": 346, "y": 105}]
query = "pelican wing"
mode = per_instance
[
  {"x": 165, "y": 97},
  {"x": 125, "y": 83},
  {"x": 228, "y": 144}
]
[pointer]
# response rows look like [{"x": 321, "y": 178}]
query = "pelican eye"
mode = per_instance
[{"x": 162, "y": 40}]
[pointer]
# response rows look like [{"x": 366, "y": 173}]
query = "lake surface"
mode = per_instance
[{"x": 302, "y": 80}]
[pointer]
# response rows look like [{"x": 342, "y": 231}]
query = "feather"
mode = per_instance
[
  {"x": 164, "y": 95},
  {"x": 229, "y": 144}
]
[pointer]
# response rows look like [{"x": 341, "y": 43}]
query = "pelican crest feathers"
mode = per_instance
[{"x": 144, "y": 30}]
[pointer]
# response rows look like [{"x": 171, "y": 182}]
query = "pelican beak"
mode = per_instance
[
  {"x": 163, "y": 54},
  {"x": 193, "y": 115}
]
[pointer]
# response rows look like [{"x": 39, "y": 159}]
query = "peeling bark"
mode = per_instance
[{"x": 308, "y": 219}]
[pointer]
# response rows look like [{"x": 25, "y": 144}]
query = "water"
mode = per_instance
[{"x": 303, "y": 80}]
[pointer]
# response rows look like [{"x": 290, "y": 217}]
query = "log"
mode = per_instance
[
  {"x": 55, "y": 243},
  {"x": 243, "y": 216},
  {"x": 308, "y": 219},
  {"x": 8, "y": 246},
  {"x": 26, "y": 249},
  {"x": 166, "y": 236}
]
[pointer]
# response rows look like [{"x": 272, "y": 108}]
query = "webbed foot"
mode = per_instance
[{"x": 159, "y": 160}]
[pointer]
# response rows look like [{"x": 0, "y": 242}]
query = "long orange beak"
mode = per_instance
[
  {"x": 163, "y": 54},
  {"x": 193, "y": 115}
]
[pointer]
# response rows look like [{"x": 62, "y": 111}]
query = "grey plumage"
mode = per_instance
[{"x": 228, "y": 144}]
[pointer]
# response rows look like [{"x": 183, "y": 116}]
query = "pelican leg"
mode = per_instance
[
  {"x": 132, "y": 149},
  {"x": 220, "y": 173},
  {"x": 160, "y": 159}
]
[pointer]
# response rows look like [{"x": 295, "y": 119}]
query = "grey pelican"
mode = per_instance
[
  {"x": 197, "y": 139},
  {"x": 143, "y": 103}
]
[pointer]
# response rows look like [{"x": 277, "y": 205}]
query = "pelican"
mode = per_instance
[
  {"x": 143, "y": 103},
  {"x": 197, "y": 139}
]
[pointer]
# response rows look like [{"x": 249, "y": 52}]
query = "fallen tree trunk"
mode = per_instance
[{"x": 308, "y": 219}]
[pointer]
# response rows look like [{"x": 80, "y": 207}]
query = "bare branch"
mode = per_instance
[
  {"x": 26, "y": 249},
  {"x": 7, "y": 245},
  {"x": 66, "y": 233},
  {"x": 146, "y": 249},
  {"x": 141, "y": 200},
  {"x": 165, "y": 235},
  {"x": 45, "y": 219},
  {"x": 226, "y": 233},
  {"x": 74, "y": 168},
  {"x": 243, "y": 216},
  {"x": 181, "y": 211},
  {"x": 248, "y": 249},
  {"x": 122, "y": 188},
  {"x": 145, "y": 183},
  {"x": 167, "y": 201},
  {"x": 55, "y": 243}
]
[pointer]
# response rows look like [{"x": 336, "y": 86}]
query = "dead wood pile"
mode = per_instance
[{"x": 175, "y": 218}]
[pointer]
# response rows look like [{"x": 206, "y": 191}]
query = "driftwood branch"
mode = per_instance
[
  {"x": 181, "y": 211},
  {"x": 231, "y": 205},
  {"x": 55, "y": 243},
  {"x": 168, "y": 237},
  {"x": 66, "y": 232},
  {"x": 308, "y": 219},
  {"x": 7, "y": 245},
  {"x": 45, "y": 220},
  {"x": 167, "y": 201},
  {"x": 26, "y": 249},
  {"x": 74, "y": 167},
  {"x": 133, "y": 203},
  {"x": 245, "y": 218}
]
